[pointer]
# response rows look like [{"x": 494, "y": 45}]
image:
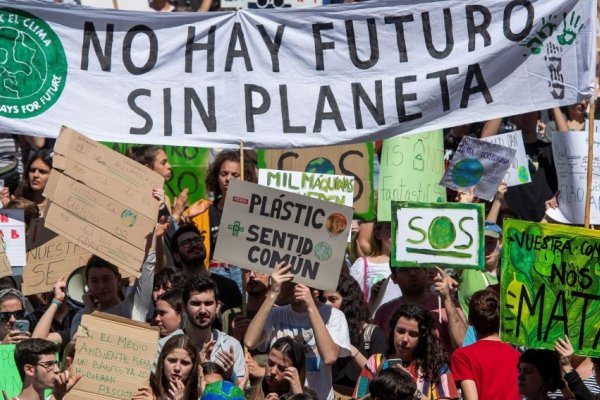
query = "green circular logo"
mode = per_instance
[
  {"x": 323, "y": 251},
  {"x": 33, "y": 65}
]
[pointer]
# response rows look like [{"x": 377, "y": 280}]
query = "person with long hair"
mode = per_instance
[
  {"x": 36, "y": 176},
  {"x": 176, "y": 376},
  {"x": 285, "y": 372},
  {"x": 375, "y": 267},
  {"x": 206, "y": 214},
  {"x": 413, "y": 343},
  {"x": 539, "y": 374},
  {"x": 366, "y": 338}
]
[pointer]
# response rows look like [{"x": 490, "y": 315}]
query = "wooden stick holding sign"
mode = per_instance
[
  {"x": 590, "y": 166},
  {"x": 244, "y": 312}
]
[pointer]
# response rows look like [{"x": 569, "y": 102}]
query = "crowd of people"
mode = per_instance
[{"x": 228, "y": 332}]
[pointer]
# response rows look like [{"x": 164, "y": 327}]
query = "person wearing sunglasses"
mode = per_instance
[
  {"x": 36, "y": 362},
  {"x": 11, "y": 310}
]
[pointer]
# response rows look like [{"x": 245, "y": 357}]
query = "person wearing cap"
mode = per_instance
[{"x": 472, "y": 280}]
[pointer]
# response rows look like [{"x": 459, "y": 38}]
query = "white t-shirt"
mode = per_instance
[
  {"x": 375, "y": 272},
  {"x": 283, "y": 321}
]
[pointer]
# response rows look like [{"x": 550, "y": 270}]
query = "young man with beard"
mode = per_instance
[
  {"x": 187, "y": 245},
  {"x": 415, "y": 287},
  {"x": 36, "y": 361},
  {"x": 201, "y": 300},
  {"x": 322, "y": 329}
]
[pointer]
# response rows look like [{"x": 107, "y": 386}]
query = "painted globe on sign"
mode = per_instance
[
  {"x": 441, "y": 233},
  {"x": 467, "y": 172},
  {"x": 222, "y": 390},
  {"x": 320, "y": 165}
]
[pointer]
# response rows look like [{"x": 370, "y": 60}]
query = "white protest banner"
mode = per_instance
[
  {"x": 338, "y": 189},
  {"x": 437, "y": 234},
  {"x": 299, "y": 77},
  {"x": 113, "y": 355},
  {"x": 267, "y": 226},
  {"x": 570, "y": 150},
  {"x": 12, "y": 230},
  {"x": 410, "y": 169},
  {"x": 478, "y": 165},
  {"x": 518, "y": 172}
]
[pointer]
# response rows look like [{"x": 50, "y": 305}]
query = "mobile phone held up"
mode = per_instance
[{"x": 22, "y": 325}]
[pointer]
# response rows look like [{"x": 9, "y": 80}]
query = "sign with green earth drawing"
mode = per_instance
[
  {"x": 437, "y": 234},
  {"x": 550, "y": 286},
  {"x": 33, "y": 65}
]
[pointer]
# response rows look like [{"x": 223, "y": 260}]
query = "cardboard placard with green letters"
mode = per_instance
[
  {"x": 550, "y": 286},
  {"x": 351, "y": 160},
  {"x": 262, "y": 227},
  {"x": 437, "y": 234}
]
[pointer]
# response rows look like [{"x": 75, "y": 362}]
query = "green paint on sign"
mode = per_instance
[
  {"x": 523, "y": 174},
  {"x": 33, "y": 70},
  {"x": 323, "y": 251},
  {"x": 441, "y": 233},
  {"x": 235, "y": 228},
  {"x": 549, "y": 286}
]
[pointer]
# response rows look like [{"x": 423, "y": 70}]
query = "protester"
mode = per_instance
[
  {"x": 375, "y": 267},
  {"x": 412, "y": 342},
  {"x": 211, "y": 373},
  {"x": 539, "y": 374},
  {"x": 394, "y": 384},
  {"x": 201, "y": 300},
  {"x": 37, "y": 172},
  {"x": 35, "y": 360},
  {"x": 176, "y": 376},
  {"x": 165, "y": 280},
  {"x": 285, "y": 372},
  {"x": 366, "y": 338},
  {"x": 415, "y": 289},
  {"x": 206, "y": 215},
  {"x": 187, "y": 245},
  {"x": 11, "y": 310},
  {"x": 577, "y": 385},
  {"x": 55, "y": 323},
  {"x": 323, "y": 328},
  {"x": 102, "y": 279},
  {"x": 479, "y": 375}
]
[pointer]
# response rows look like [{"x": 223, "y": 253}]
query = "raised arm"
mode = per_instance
[
  {"x": 255, "y": 334},
  {"x": 42, "y": 329},
  {"x": 560, "y": 120}
]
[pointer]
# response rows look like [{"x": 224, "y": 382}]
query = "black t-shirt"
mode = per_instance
[
  {"x": 214, "y": 216},
  {"x": 528, "y": 199}
]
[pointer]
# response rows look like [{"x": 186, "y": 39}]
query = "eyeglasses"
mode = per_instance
[
  {"x": 6, "y": 315},
  {"x": 187, "y": 243},
  {"x": 48, "y": 365},
  {"x": 250, "y": 272}
]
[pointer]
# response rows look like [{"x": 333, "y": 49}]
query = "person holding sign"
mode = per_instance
[
  {"x": 36, "y": 361},
  {"x": 576, "y": 384},
  {"x": 102, "y": 279},
  {"x": 36, "y": 176},
  {"x": 539, "y": 373},
  {"x": 323, "y": 328}
]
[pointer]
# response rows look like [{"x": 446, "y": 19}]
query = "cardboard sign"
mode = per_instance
[
  {"x": 12, "y": 230},
  {"x": 10, "y": 381},
  {"x": 437, "y": 234},
  {"x": 550, "y": 286},
  {"x": 480, "y": 165},
  {"x": 410, "y": 170},
  {"x": 351, "y": 160},
  {"x": 101, "y": 200},
  {"x": 49, "y": 257},
  {"x": 267, "y": 226},
  {"x": 189, "y": 166},
  {"x": 338, "y": 189},
  {"x": 114, "y": 356},
  {"x": 518, "y": 172},
  {"x": 570, "y": 151}
]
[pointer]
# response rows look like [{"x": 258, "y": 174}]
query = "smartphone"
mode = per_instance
[
  {"x": 393, "y": 362},
  {"x": 22, "y": 325}
]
